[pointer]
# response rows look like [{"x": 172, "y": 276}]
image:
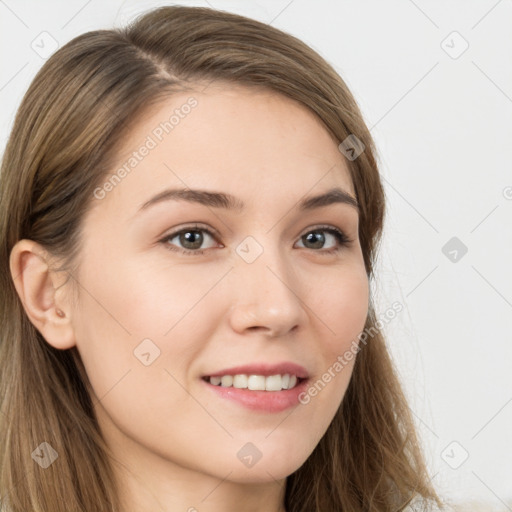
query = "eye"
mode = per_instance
[
  {"x": 191, "y": 239},
  {"x": 316, "y": 238}
]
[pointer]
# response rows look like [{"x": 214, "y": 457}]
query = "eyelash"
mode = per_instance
[{"x": 343, "y": 240}]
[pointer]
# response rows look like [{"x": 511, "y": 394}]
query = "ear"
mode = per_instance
[{"x": 37, "y": 285}]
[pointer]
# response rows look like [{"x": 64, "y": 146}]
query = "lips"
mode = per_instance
[
  {"x": 270, "y": 388},
  {"x": 265, "y": 370},
  {"x": 255, "y": 382}
]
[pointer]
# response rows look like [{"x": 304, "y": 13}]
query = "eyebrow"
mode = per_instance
[{"x": 229, "y": 202}]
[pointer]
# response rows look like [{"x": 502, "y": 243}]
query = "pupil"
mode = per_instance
[
  {"x": 190, "y": 239},
  {"x": 318, "y": 236}
]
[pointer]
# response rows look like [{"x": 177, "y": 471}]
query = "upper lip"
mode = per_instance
[{"x": 264, "y": 369}]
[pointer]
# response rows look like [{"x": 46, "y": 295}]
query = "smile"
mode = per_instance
[{"x": 255, "y": 382}]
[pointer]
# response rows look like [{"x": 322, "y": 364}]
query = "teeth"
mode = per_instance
[
  {"x": 273, "y": 383},
  {"x": 226, "y": 381},
  {"x": 240, "y": 381},
  {"x": 256, "y": 382}
]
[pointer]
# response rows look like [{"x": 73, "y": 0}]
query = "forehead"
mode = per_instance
[{"x": 248, "y": 142}]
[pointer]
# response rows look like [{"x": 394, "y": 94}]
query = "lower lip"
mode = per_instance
[{"x": 264, "y": 401}]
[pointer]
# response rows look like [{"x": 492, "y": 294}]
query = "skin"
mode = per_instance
[{"x": 175, "y": 441}]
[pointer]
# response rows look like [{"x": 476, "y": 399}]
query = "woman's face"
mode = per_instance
[{"x": 267, "y": 286}]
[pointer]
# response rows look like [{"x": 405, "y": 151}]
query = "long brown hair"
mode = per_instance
[{"x": 65, "y": 139}]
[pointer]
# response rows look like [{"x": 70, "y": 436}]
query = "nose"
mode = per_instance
[{"x": 266, "y": 296}]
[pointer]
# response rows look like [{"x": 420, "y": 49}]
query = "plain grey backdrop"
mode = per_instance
[{"x": 434, "y": 82}]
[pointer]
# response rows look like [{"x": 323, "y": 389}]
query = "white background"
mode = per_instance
[{"x": 443, "y": 127}]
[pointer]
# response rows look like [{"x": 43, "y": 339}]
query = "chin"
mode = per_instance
[
  {"x": 263, "y": 475},
  {"x": 265, "y": 470}
]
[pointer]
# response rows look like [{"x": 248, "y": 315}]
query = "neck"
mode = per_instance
[{"x": 160, "y": 486}]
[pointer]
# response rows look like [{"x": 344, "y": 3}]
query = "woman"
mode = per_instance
[{"x": 190, "y": 212}]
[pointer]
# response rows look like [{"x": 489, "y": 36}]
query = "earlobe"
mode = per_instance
[{"x": 35, "y": 284}]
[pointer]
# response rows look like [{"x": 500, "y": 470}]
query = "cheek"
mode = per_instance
[
  {"x": 139, "y": 300},
  {"x": 342, "y": 308},
  {"x": 129, "y": 314},
  {"x": 120, "y": 337},
  {"x": 341, "y": 303},
  {"x": 157, "y": 298}
]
